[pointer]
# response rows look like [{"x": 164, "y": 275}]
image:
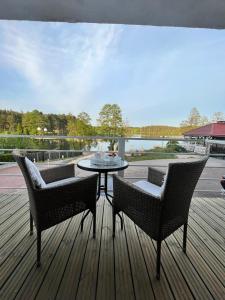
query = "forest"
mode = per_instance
[{"x": 110, "y": 122}]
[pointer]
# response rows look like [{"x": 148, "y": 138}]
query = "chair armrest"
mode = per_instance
[
  {"x": 155, "y": 176},
  {"x": 82, "y": 190},
  {"x": 141, "y": 207},
  {"x": 58, "y": 173}
]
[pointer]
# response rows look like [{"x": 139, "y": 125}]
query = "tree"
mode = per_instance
[
  {"x": 34, "y": 122},
  {"x": 218, "y": 116},
  {"x": 84, "y": 117},
  {"x": 111, "y": 122},
  {"x": 9, "y": 121},
  {"x": 80, "y": 126},
  {"x": 194, "y": 119},
  {"x": 71, "y": 125},
  {"x": 204, "y": 120}
]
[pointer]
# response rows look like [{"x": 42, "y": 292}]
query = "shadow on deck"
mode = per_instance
[{"x": 74, "y": 266}]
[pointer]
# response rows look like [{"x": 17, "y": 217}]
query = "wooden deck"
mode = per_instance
[{"x": 74, "y": 266}]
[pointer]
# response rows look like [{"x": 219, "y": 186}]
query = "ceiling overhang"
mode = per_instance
[{"x": 182, "y": 13}]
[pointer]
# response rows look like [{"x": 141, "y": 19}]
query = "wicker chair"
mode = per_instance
[
  {"x": 52, "y": 205},
  {"x": 159, "y": 216}
]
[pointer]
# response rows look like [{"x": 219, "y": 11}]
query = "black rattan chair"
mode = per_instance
[
  {"x": 159, "y": 216},
  {"x": 54, "y": 204}
]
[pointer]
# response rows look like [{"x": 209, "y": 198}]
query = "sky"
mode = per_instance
[{"x": 155, "y": 74}]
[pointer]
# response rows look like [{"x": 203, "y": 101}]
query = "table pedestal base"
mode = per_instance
[{"x": 104, "y": 188}]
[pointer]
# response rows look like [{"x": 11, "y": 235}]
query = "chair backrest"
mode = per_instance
[
  {"x": 181, "y": 181},
  {"x": 21, "y": 162},
  {"x": 29, "y": 183}
]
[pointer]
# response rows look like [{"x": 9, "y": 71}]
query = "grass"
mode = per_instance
[{"x": 149, "y": 156}]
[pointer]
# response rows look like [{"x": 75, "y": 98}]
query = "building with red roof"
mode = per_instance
[{"x": 213, "y": 130}]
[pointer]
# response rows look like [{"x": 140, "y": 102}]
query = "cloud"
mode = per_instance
[{"x": 60, "y": 63}]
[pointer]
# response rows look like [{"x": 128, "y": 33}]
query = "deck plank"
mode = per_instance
[
  {"x": 211, "y": 210},
  {"x": 123, "y": 273},
  {"x": 160, "y": 287},
  {"x": 55, "y": 272},
  {"x": 220, "y": 201},
  {"x": 74, "y": 265},
  {"x": 70, "y": 280},
  {"x": 209, "y": 257},
  {"x": 9, "y": 211},
  {"x": 106, "y": 282},
  {"x": 33, "y": 282},
  {"x": 23, "y": 266},
  {"x": 14, "y": 219},
  {"x": 210, "y": 218},
  {"x": 210, "y": 280},
  {"x": 174, "y": 274},
  {"x": 12, "y": 201},
  {"x": 213, "y": 236},
  {"x": 196, "y": 285},
  {"x": 12, "y": 232},
  {"x": 209, "y": 242},
  {"x": 6, "y": 199},
  {"x": 89, "y": 272},
  {"x": 218, "y": 205},
  {"x": 141, "y": 280},
  {"x": 45, "y": 281}
]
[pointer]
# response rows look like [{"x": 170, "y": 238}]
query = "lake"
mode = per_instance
[
  {"x": 131, "y": 145},
  {"x": 71, "y": 144}
]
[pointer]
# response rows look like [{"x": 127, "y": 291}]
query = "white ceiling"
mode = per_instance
[{"x": 187, "y": 13}]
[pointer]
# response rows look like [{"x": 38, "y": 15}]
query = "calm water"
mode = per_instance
[
  {"x": 131, "y": 145},
  {"x": 20, "y": 143}
]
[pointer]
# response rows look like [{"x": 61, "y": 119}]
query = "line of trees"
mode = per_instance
[
  {"x": 109, "y": 123},
  {"x": 195, "y": 119},
  {"x": 34, "y": 122}
]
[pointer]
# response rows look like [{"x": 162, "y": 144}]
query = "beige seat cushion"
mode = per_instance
[
  {"x": 35, "y": 174},
  {"x": 149, "y": 188}
]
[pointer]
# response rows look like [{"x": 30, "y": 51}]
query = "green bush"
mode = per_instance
[
  {"x": 173, "y": 146},
  {"x": 6, "y": 157}
]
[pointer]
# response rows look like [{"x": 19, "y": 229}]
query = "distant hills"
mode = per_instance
[{"x": 158, "y": 130}]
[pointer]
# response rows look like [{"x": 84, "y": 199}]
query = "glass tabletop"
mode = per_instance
[{"x": 86, "y": 164}]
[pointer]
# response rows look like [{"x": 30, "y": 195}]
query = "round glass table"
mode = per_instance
[{"x": 87, "y": 165}]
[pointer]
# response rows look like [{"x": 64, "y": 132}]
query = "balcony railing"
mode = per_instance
[{"x": 210, "y": 180}]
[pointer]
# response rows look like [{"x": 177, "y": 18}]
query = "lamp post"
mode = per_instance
[{"x": 39, "y": 129}]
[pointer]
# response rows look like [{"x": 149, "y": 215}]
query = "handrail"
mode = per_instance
[
  {"x": 121, "y": 152},
  {"x": 45, "y": 150},
  {"x": 95, "y": 137}
]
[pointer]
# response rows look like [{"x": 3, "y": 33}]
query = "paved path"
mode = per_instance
[{"x": 136, "y": 170}]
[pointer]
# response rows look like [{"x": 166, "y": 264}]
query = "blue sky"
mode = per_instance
[{"x": 155, "y": 74}]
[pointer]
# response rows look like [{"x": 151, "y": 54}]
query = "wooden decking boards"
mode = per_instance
[{"x": 75, "y": 266}]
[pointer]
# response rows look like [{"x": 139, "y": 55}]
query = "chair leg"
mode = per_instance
[
  {"x": 185, "y": 238},
  {"x": 158, "y": 258},
  {"x": 38, "y": 248},
  {"x": 94, "y": 223},
  {"x": 31, "y": 224},
  {"x": 82, "y": 221},
  {"x": 121, "y": 221},
  {"x": 114, "y": 221}
]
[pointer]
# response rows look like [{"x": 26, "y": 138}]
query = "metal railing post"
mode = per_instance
[{"x": 121, "y": 152}]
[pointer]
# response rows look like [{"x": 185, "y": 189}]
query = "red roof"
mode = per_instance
[{"x": 213, "y": 129}]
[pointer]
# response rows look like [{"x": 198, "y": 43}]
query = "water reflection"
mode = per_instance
[{"x": 72, "y": 144}]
